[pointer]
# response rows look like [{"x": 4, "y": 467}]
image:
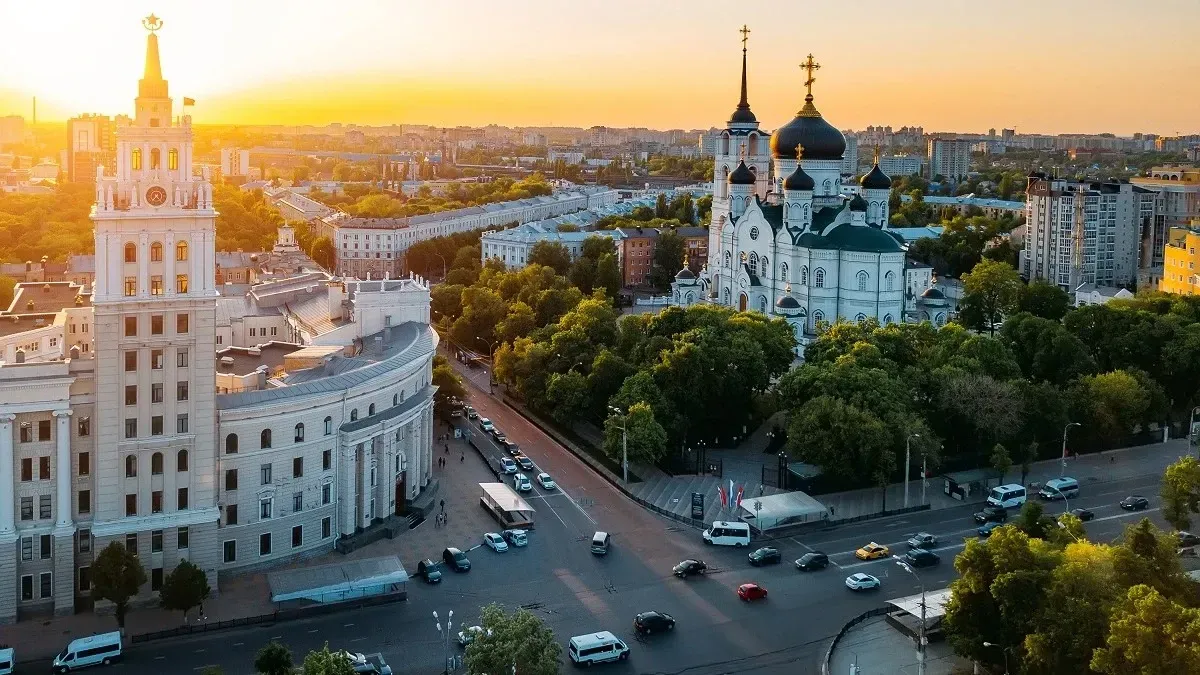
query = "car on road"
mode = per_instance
[
  {"x": 1083, "y": 514},
  {"x": 471, "y": 633},
  {"x": 1187, "y": 538},
  {"x": 471, "y": 414},
  {"x": 512, "y": 448},
  {"x": 367, "y": 663},
  {"x": 546, "y": 481},
  {"x": 495, "y": 542},
  {"x": 765, "y": 556},
  {"x": 872, "y": 551},
  {"x": 687, "y": 568},
  {"x": 516, "y": 537},
  {"x": 456, "y": 560},
  {"x": 454, "y": 414},
  {"x": 1135, "y": 503},
  {"x": 524, "y": 462},
  {"x": 486, "y": 424},
  {"x": 429, "y": 571},
  {"x": 985, "y": 530},
  {"x": 648, "y": 623},
  {"x": 749, "y": 592},
  {"x": 919, "y": 557},
  {"x": 501, "y": 439},
  {"x": 861, "y": 582},
  {"x": 521, "y": 483},
  {"x": 991, "y": 514},
  {"x": 813, "y": 560},
  {"x": 507, "y": 465},
  {"x": 922, "y": 540}
]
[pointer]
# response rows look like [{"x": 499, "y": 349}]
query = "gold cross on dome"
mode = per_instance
[
  {"x": 811, "y": 66},
  {"x": 745, "y": 35},
  {"x": 799, "y": 151}
]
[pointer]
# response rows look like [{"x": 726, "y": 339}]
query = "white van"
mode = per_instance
[
  {"x": 597, "y": 648},
  {"x": 8, "y": 661},
  {"x": 92, "y": 650},
  {"x": 728, "y": 533},
  {"x": 1008, "y": 496},
  {"x": 1059, "y": 488},
  {"x": 521, "y": 483}
]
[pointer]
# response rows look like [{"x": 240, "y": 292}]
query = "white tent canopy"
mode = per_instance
[
  {"x": 338, "y": 582},
  {"x": 935, "y": 604},
  {"x": 771, "y": 512}
]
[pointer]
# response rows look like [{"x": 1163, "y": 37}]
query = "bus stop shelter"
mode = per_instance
[{"x": 338, "y": 582}]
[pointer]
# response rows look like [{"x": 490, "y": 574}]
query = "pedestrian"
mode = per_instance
[
  {"x": 831, "y": 511},
  {"x": 443, "y": 505},
  {"x": 462, "y": 458},
  {"x": 447, "y": 448}
]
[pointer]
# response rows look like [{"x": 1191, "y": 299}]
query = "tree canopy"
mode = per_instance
[
  {"x": 511, "y": 640},
  {"x": 117, "y": 574}
]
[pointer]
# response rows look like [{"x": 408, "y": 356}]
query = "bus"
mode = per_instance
[{"x": 506, "y": 506}]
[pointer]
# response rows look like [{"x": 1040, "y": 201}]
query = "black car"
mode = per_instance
[
  {"x": 922, "y": 540},
  {"x": 1135, "y": 503},
  {"x": 429, "y": 571},
  {"x": 1083, "y": 514},
  {"x": 765, "y": 556},
  {"x": 1187, "y": 538},
  {"x": 499, "y": 436},
  {"x": 648, "y": 623},
  {"x": 814, "y": 560},
  {"x": 687, "y": 568},
  {"x": 456, "y": 560},
  {"x": 511, "y": 448},
  {"x": 991, "y": 514},
  {"x": 919, "y": 557}
]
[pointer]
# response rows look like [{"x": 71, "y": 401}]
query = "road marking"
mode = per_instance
[
  {"x": 159, "y": 658},
  {"x": 315, "y": 630},
  {"x": 359, "y": 639},
  {"x": 201, "y": 650},
  {"x": 238, "y": 644},
  {"x": 347, "y": 625},
  {"x": 211, "y": 665}
]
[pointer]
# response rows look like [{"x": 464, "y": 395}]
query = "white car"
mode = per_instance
[
  {"x": 468, "y": 635},
  {"x": 486, "y": 424},
  {"x": 495, "y": 542},
  {"x": 546, "y": 481},
  {"x": 861, "y": 582},
  {"x": 507, "y": 465},
  {"x": 521, "y": 483}
]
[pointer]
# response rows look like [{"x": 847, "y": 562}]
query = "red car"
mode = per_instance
[{"x": 750, "y": 592}]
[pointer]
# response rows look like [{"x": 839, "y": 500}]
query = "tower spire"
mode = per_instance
[
  {"x": 742, "y": 114},
  {"x": 152, "y": 84}
]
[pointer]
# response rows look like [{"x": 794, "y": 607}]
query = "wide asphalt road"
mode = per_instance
[{"x": 576, "y": 592}]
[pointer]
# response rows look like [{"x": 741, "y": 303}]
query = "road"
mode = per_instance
[{"x": 576, "y": 592}]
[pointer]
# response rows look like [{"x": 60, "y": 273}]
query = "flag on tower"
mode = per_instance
[{"x": 189, "y": 101}]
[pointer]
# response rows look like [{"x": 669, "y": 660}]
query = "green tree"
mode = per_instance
[
  {"x": 449, "y": 384},
  {"x": 1033, "y": 520},
  {"x": 567, "y": 394},
  {"x": 551, "y": 254},
  {"x": 323, "y": 252},
  {"x": 184, "y": 588},
  {"x": 1181, "y": 492},
  {"x": 608, "y": 275},
  {"x": 1114, "y": 403},
  {"x": 647, "y": 440},
  {"x": 847, "y": 442},
  {"x": 274, "y": 659},
  {"x": 117, "y": 574},
  {"x": 517, "y": 640},
  {"x": 660, "y": 206},
  {"x": 519, "y": 322},
  {"x": 668, "y": 259},
  {"x": 325, "y": 662},
  {"x": 1028, "y": 455},
  {"x": 1000, "y": 460},
  {"x": 1150, "y": 634},
  {"x": 445, "y": 302},
  {"x": 583, "y": 274},
  {"x": 7, "y": 284},
  {"x": 993, "y": 289},
  {"x": 1044, "y": 299}
]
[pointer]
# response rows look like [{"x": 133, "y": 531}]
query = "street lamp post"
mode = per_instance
[
  {"x": 1066, "y": 505},
  {"x": 445, "y": 635},
  {"x": 1003, "y": 650},
  {"x": 443, "y": 265},
  {"x": 921, "y": 627},
  {"x": 908, "y": 464},
  {"x": 624, "y": 444},
  {"x": 1063, "y": 465},
  {"x": 491, "y": 359},
  {"x": 1191, "y": 426}
]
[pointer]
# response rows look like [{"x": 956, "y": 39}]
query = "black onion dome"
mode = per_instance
[
  {"x": 685, "y": 273},
  {"x": 932, "y": 293},
  {"x": 858, "y": 204},
  {"x": 821, "y": 140},
  {"x": 742, "y": 175},
  {"x": 787, "y": 302},
  {"x": 742, "y": 115},
  {"x": 876, "y": 180},
  {"x": 798, "y": 180}
]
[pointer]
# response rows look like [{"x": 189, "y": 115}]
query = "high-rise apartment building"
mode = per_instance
[
  {"x": 949, "y": 158},
  {"x": 850, "y": 159},
  {"x": 1177, "y": 203},
  {"x": 235, "y": 165},
  {"x": 91, "y": 142},
  {"x": 1080, "y": 233}
]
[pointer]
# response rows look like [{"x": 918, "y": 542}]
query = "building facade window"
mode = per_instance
[
  {"x": 299, "y": 437},
  {"x": 181, "y": 283},
  {"x": 181, "y": 251},
  {"x": 156, "y": 252},
  {"x": 130, "y": 252},
  {"x": 264, "y": 474},
  {"x": 862, "y": 278},
  {"x": 131, "y": 466},
  {"x": 264, "y": 439},
  {"x": 181, "y": 460},
  {"x": 156, "y": 464},
  {"x": 231, "y": 444},
  {"x": 819, "y": 277},
  {"x": 328, "y": 426}
]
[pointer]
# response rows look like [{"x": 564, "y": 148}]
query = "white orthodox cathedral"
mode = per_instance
[{"x": 791, "y": 236}]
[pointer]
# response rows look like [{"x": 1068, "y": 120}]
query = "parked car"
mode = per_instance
[
  {"x": 1083, "y": 514},
  {"x": 456, "y": 414},
  {"x": 524, "y": 462},
  {"x": 687, "y": 568},
  {"x": 919, "y": 557},
  {"x": 456, "y": 560},
  {"x": 486, "y": 424},
  {"x": 495, "y": 542},
  {"x": 1135, "y": 503},
  {"x": 501, "y": 439},
  {"x": 1187, "y": 538},
  {"x": 872, "y": 551},
  {"x": 507, "y": 465},
  {"x": 469, "y": 634},
  {"x": 546, "y": 481},
  {"x": 516, "y": 537},
  {"x": 749, "y": 592},
  {"x": 369, "y": 664},
  {"x": 765, "y": 556},
  {"x": 922, "y": 540},
  {"x": 471, "y": 414},
  {"x": 648, "y": 623},
  {"x": 861, "y": 582},
  {"x": 429, "y": 571},
  {"x": 985, "y": 530},
  {"x": 813, "y": 560},
  {"x": 991, "y": 514}
]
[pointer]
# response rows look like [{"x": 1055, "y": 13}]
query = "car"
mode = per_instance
[
  {"x": 687, "y": 568},
  {"x": 1083, "y": 514},
  {"x": 985, "y": 530},
  {"x": 454, "y": 414},
  {"x": 648, "y": 623},
  {"x": 497, "y": 435},
  {"x": 516, "y": 537},
  {"x": 919, "y": 557},
  {"x": 456, "y": 560},
  {"x": 521, "y": 483},
  {"x": 429, "y": 571},
  {"x": 749, "y": 592},
  {"x": 524, "y": 462},
  {"x": 861, "y": 582},
  {"x": 813, "y": 560},
  {"x": 367, "y": 663},
  {"x": 765, "y": 556},
  {"x": 501, "y": 439},
  {"x": 546, "y": 481},
  {"x": 486, "y": 424},
  {"x": 512, "y": 448},
  {"x": 991, "y": 514},
  {"x": 922, "y": 540},
  {"x": 471, "y": 414},
  {"x": 507, "y": 465},
  {"x": 471, "y": 633},
  {"x": 1187, "y": 538},
  {"x": 495, "y": 542},
  {"x": 872, "y": 551},
  {"x": 1135, "y": 503}
]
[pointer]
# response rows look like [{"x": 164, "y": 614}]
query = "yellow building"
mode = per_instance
[{"x": 1181, "y": 264}]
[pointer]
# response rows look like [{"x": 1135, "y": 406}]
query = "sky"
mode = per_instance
[{"x": 1040, "y": 66}]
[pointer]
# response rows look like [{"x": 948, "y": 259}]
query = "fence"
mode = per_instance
[{"x": 878, "y": 611}]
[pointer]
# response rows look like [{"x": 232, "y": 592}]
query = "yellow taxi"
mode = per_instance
[{"x": 872, "y": 551}]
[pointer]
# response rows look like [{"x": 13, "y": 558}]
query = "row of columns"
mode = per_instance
[
  {"x": 181, "y": 173},
  {"x": 62, "y": 476}
]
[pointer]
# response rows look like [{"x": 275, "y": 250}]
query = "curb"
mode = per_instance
[{"x": 871, "y": 613}]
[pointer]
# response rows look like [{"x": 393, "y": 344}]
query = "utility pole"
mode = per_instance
[
  {"x": 1062, "y": 471},
  {"x": 624, "y": 443},
  {"x": 908, "y": 464}
]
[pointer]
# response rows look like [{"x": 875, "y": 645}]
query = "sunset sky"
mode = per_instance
[{"x": 1047, "y": 66}]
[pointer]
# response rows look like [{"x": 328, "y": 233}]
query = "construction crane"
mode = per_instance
[{"x": 1076, "y": 276}]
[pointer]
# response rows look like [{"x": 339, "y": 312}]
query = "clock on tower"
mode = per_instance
[{"x": 156, "y": 196}]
